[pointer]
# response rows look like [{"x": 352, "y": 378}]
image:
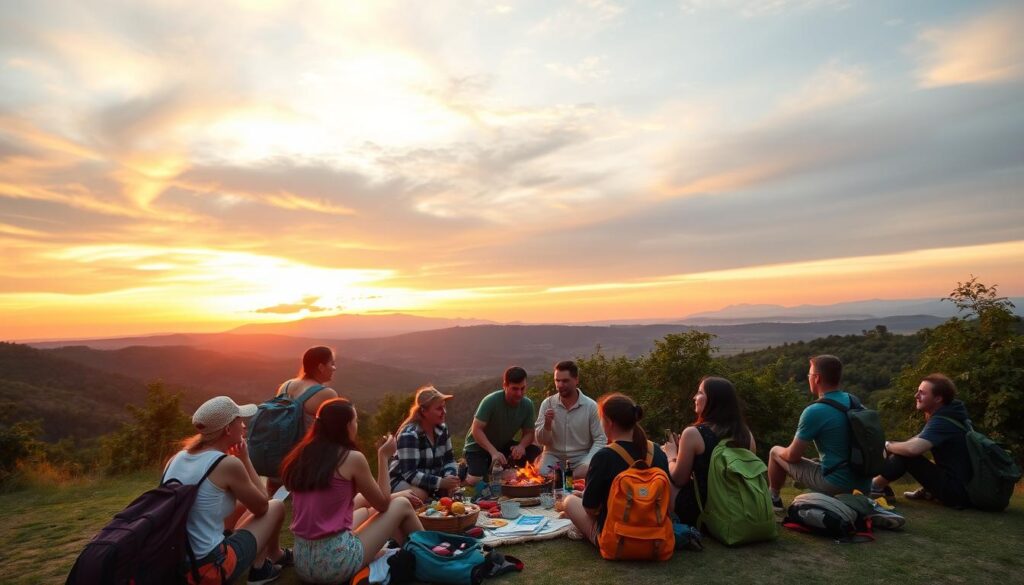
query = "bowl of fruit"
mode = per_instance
[{"x": 448, "y": 515}]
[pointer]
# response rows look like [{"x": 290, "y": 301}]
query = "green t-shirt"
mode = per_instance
[
  {"x": 503, "y": 421},
  {"x": 830, "y": 432}
]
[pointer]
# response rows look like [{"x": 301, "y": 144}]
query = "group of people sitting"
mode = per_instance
[{"x": 343, "y": 515}]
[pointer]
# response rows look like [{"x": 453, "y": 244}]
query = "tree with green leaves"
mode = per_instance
[{"x": 153, "y": 435}]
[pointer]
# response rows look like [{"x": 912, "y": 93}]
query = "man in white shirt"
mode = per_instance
[{"x": 568, "y": 425}]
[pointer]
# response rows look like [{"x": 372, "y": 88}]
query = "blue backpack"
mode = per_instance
[
  {"x": 465, "y": 569},
  {"x": 275, "y": 428}
]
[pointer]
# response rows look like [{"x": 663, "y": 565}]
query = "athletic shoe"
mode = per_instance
[
  {"x": 265, "y": 574},
  {"x": 920, "y": 494},
  {"x": 887, "y": 520},
  {"x": 885, "y": 492}
]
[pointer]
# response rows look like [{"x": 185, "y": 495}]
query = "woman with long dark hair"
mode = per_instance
[
  {"x": 719, "y": 418},
  {"x": 325, "y": 472},
  {"x": 620, "y": 419}
]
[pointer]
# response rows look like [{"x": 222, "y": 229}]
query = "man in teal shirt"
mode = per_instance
[
  {"x": 829, "y": 430},
  {"x": 499, "y": 417}
]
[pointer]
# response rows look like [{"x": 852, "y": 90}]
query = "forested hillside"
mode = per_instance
[{"x": 67, "y": 398}]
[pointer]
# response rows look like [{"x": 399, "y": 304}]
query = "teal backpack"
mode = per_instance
[
  {"x": 995, "y": 471},
  {"x": 468, "y": 568},
  {"x": 275, "y": 428},
  {"x": 739, "y": 507}
]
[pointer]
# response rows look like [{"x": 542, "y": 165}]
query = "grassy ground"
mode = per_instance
[{"x": 44, "y": 528}]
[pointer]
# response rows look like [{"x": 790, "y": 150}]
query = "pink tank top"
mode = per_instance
[{"x": 323, "y": 512}]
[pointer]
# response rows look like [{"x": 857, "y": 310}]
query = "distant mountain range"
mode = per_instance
[
  {"x": 462, "y": 354},
  {"x": 356, "y": 326},
  {"x": 869, "y": 309},
  {"x": 344, "y": 327}
]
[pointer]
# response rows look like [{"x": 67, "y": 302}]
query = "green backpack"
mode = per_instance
[
  {"x": 995, "y": 472},
  {"x": 739, "y": 507}
]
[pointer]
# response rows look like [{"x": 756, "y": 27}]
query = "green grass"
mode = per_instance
[{"x": 42, "y": 530}]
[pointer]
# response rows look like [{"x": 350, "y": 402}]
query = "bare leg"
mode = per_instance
[
  {"x": 584, "y": 522},
  {"x": 266, "y": 529},
  {"x": 232, "y": 520},
  {"x": 776, "y": 471},
  {"x": 398, "y": 521},
  {"x": 580, "y": 472}
]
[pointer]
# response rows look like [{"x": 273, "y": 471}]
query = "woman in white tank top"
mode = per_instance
[{"x": 232, "y": 484}]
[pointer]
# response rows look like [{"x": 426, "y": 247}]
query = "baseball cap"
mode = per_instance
[
  {"x": 428, "y": 394},
  {"x": 218, "y": 412}
]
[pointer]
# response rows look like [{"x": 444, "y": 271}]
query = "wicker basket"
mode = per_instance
[
  {"x": 525, "y": 491},
  {"x": 452, "y": 524}
]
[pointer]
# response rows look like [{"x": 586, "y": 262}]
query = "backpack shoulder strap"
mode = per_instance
[
  {"x": 209, "y": 470},
  {"x": 649, "y": 460},
  {"x": 960, "y": 425},
  {"x": 309, "y": 393},
  {"x": 283, "y": 390},
  {"x": 622, "y": 453},
  {"x": 834, "y": 404},
  {"x": 844, "y": 410}
]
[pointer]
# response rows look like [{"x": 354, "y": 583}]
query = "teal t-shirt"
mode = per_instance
[
  {"x": 828, "y": 428},
  {"x": 503, "y": 421}
]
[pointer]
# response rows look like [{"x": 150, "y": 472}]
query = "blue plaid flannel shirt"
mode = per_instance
[{"x": 418, "y": 462}]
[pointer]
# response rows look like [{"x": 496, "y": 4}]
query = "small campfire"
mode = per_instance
[
  {"x": 527, "y": 483},
  {"x": 527, "y": 476}
]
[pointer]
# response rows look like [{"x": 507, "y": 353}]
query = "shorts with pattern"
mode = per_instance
[{"x": 331, "y": 559}]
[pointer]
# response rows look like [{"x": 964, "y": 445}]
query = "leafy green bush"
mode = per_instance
[{"x": 154, "y": 434}]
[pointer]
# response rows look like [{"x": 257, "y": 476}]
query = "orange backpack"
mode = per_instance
[{"x": 638, "y": 527}]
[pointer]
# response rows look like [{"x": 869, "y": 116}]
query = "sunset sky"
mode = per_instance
[{"x": 169, "y": 166}]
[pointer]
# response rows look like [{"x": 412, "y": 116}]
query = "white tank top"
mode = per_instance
[{"x": 206, "y": 519}]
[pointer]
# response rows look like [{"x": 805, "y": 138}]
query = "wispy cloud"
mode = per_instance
[{"x": 986, "y": 49}]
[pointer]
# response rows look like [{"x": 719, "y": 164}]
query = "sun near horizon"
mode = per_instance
[{"x": 191, "y": 171}]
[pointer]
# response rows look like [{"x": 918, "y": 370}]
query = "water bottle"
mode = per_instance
[{"x": 496, "y": 472}]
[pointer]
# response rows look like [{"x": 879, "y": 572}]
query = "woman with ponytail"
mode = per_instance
[
  {"x": 325, "y": 472},
  {"x": 620, "y": 419},
  {"x": 425, "y": 461},
  {"x": 719, "y": 418}
]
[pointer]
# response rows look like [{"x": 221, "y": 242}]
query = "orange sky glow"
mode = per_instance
[{"x": 191, "y": 171}]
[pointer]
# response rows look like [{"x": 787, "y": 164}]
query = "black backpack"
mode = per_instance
[
  {"x": 867, "y": 439},
  {"x": 146, "y": 542}
]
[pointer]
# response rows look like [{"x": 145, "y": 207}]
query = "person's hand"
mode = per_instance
[
  {"x": 449, "y": 483},
  {"x": 388, "y": 446},
  {"x": 500, "y": 458},
  {"x": 517, "y": 452},
  {"x": 240, "y": 450},
  {"x": 409, "y": 495},
  {"x": 549, "y": 417},
  {"x": 670, "y": 449}
]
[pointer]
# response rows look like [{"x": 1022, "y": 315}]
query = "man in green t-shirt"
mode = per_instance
[{"x": 501, "y": 415}]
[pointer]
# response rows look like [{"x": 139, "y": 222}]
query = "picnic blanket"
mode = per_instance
[{"x": 551, "y": 530}]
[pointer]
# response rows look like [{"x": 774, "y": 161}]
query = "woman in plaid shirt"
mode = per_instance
[{"x": 425, "y": 462}]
